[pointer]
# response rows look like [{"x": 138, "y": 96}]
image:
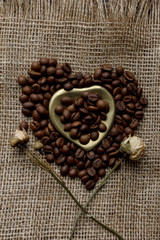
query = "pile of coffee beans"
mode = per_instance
[
  {"x": 83, "y": 116},
  {"x": 45, "y": 78}
]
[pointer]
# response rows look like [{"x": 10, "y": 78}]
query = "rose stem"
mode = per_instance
[
  {"x": 93, "y": 194},
  {"x": 49, "y": 169}
]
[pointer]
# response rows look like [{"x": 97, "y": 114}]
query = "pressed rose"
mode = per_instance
[
  {"x": 20, "y": 136},
  {"x": 38, "y": 145},
  {"x": 134, "y": 146}
]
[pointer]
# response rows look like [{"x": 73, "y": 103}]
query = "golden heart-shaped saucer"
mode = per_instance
[{"x": 76, "y": 92}]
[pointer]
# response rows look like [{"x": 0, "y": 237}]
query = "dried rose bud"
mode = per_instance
[
  {"x": 38, "y": 145},
  {"x": 20, "y": 136},
  {"x": 134, "y": 146}
]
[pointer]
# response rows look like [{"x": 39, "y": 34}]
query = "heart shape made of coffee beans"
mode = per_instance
[
  {"x": 46, "y": 78},
  {"x": 75, "y": 93}
]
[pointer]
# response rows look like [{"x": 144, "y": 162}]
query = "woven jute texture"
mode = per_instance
[{"x": 85, "y": 33}]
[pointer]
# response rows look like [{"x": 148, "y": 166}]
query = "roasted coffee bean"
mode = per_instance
[
  {"x": 51, "y": 70},
  {"x": 47, "y": 149},
  {"x": 139, "y": 114},
  {"x": 90, "y": 155},
  {"x": 40, "y": 96},
  {"x": 60, "y": 160},
  {"x": 45, "y": 88},
  {"x": 70, "y": 160},
  {"x": 79, "y": 153},
  {"x": 116, "y": 91},
  {"x": 65, "y": 149},
  {"x": 56, "y": 151},
  {"x": 78, "y": 102},
  {"x": 127, "y": 117},
  {"x": 27, "y": 90},
  {"x": 59, "y": 73},
  {"x": 64, "y": 170},
  {"x": 119, "y": 70},
  {"x": 66, "y": 67},
  {"x": 138, "y": 106},
  {"x": 118, "y": 139},
  {"x": 106, "y": 75},
  {"x": 60, "y": 142},
  {"x": 62, "y": 119},
  {"x": 114, "y": 153},
  {"x": 130, "y": 106},
  {"x": 91, "y": 171},
  {"x": 68, "y": 86},
  {"x": 45, "y": 140},
  {"x": 23, "y": 125},
  {"x": 76, "y": 124},
  {"x": 43, "y": 69},
  {"x": 42, "y": 81},
  {"x": 102, "y": 127},
  {"x": 85, "y": 179},
  {"x": 98, "y": 73},
  {"x": 84, "y": 128},
  {"x": 22, "y": 80},
  {"x": 90, "y": 184},
  {"x": 84, "y": 138},
  {"x": 34, "y": 74},
  {"x": 34, "y": 97},
  {"x": 128, "y": 130},
  {"x": 44, "y": 61},
  {"x": 71, "y": 108},
  {"x": 73, "y": 173},
  {"x": 75, "y": 116},
  {"x": 66, "y": 100},
  {"x": 131, "y": 88},
  {"x": 52, "y": 89},
  {"x": 127, "y": 99},
  {"x": 67, "y": 126},
  {"x": 108, "y": 87},
  {"x": 52, "y": 62},
  {"x": 82, "y": 173},
  {"x": 100, "y": 150},
  {"x": 111, "y": 149},
  {"x": 139, "y": 92},
  {"x": 75, "y": 83},
  {"x": 134, "y": 123},
  {"x": 85, "y": 94},
  {"x": 110, "y": 139},
  {"x": 134, "y": 99},
  {"x": 97, "y": 163},
  {"x": 101, "y": 172},
  {"x": 111, "y": 161},
  {"x": 129, "y": 111},
  {"x": 124, "y": 91},
  {"x": 105, "y": 143},
  {"x": 30, "y": 81},
  {"x": 107, "y": 67},
  {"x": 50, "y": 157},
  {"x": 27, "y": 112},
  {"x": 80, "y": 164},
  {"x": 42, "y": 110},
  {"x": 23, "y": 98},
  {"x": 143, "y": 101},
  {"x": 54, "y": 136},
  {"x": 120, "y": 106},
  {"x": 81, "y": 83},
  {"x": 74, "y": 133},
  {"x": 47, "y": 132},
  {"x": 29, "y": 105},
  {"x": 114, "y": 132},
  {"x": 35, "y": 126},
  {"x": 50, "y": 127},
  {"x": 39, "y": 134},
  {"x": 118, "y": 119},
  {"x": 105, "y": 158},
  {"x": 93, "y": 97},
  {"x": 51, "y": 80},
  {"x": 36, "y": 116},
  {"x": 101, "y": 105},
  {"x": 59, "y": 109},
  {"x": 46, "y": 103},
  {"x": 115, "y": 83},
  {"x": 66, "y": 114},
  {"x": 47, "y": 95},
  {"x": 36, "y": 88},
  {"x": 129, "y": 76}
]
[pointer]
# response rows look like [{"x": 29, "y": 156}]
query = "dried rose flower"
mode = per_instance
[
  {"x": 134, "y": 146},
  {"x": 20, "y": 136},
  {"x": 38, "y": 145}
]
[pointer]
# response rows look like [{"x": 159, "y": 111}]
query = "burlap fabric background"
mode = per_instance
[{"x": 86, "y": 34}]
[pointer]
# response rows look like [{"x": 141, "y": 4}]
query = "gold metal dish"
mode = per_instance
[{"x": 76, "y": 92}]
